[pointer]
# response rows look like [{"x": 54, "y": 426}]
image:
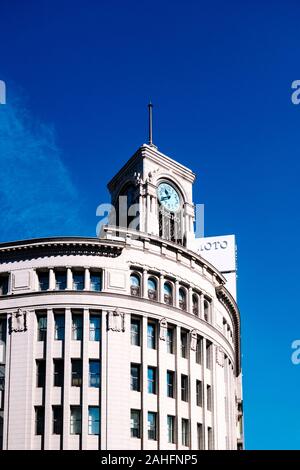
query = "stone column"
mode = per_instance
[
  {"x": 51, "y": 279},
  {"x": 87, "y": 279},
  {"x": 145, "y": 284},
  {"x": 161, "y": 288},
  {"x": 69, "y": 279},
  {"x": 190, "y": 300},
  {"x": 176, "y": 294}
]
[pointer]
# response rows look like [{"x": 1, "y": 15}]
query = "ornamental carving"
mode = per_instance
[
  {"x": 163, "y": 327},
  {"x": 116, "y": 321},
  {"x": 193, "y": 341},
  {"x": 220, "y": 357},
  {"x": 18, "y": 321}
]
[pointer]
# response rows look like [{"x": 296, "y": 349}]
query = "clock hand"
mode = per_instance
[{"x": 165, "y": 198}]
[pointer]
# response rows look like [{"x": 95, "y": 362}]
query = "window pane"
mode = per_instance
[
  {"x": 78, "y": 280},
  {"x": 77, "y": 326},
  {"x": 171, "y": 429},
  {"x": 3, "y": 285},
  {"x": 96, "y": 282},
  {"x": 152, "y": 426},
  {"x": 94, "y": 374},
  {"x": 58, "y": 373},
  {"x": 135, "y": 332},
  {"x": 39, "y": 420},
  {"x": 170, "y": 340},
  {"x": 170, "y": 384},
  {"x": 135, "y": 423},
  {"x": 151, "y": 336},
  {"x": 94, "y": 328},
  {"x": 43, "y": 280},
  {"x": 135, "y": 377},
  {"x": 57, "y": 420},
  {"x": 59, "y": 321},
  {"x": 151, "y": 380},
  {"x": 76, "y": 373},
  {"x": 75, "y": 420},
  {"x": 60, "y": 280},
  {"x": 42, "y": 327},
  {"x": 40, "y": 373},
  {"x": 94, "y": 422}
]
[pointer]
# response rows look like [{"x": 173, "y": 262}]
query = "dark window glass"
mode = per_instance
[
  {"x": 135, "y": 285},
  {"x": 60, "y": 280},
  {"x": 135, "y": 332},
  {"x": 77, "y": 327},
  {"x": 94, "y": 373},
  {"x": 76, "y": 373},
  {"x": 199, "y": 392},
  {"x": 78, "y": 280},
  {"x": 39, "y": 420},
  {"x": 171, "y": 429},
  {"x": 75, "y": 420},
  {"x": 59, "y": 322},
  {"x": 209, "y": 398},
  {"x": 94, "y": 328},
  {"x": 170, "y": 340},
  {"x": 94, "y": 420},
  {"x": 170, "y": 383},
  {"x": 42, "y": 327},
  {"x": 57, "y": 414},
  {"x": 135, "y": 424},
  {"x": 96, "y": 283},
  {"x": 3, "y": 285},
  {"x": 40, "y": 373},
  {"x": 185, "y": 432},
  {"x": 152, "y": 426},
  {"x": 58, "y": 373},
  {"x": 184, "y": 387},
  {"x": 151, "y": 380},
  {"x": 151, "y": 336},
  {"x": 199, "y": 350},
  {"x": 135, "y": 377},
  {"x": 152, "y": 288},
  {"x": 184, "y": 342},
  {"x": 43, "y": 280}
]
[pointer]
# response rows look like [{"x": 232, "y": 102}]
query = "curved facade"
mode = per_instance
[{"x": 130, "y": 341}]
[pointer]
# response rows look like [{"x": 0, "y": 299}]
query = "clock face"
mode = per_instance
[{"x": 168, "y": 197}]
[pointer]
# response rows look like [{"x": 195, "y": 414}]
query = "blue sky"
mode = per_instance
[{"x": 79, "y": 76}]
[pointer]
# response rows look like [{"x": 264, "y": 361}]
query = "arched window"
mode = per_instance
[
  {"x": 182, "y": 298},
  {"x": 168, "y": 293},
  {"x": 152, "y": 288},
  {"x": 195, "y": 304},
  {"x": 206, "y": 310},
  {"x": 135, "y": 285}
]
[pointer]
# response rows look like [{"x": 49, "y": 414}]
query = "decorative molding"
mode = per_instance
[
  {"x": 193, "y": 339},
  {"x": 116, "y": 320},
  {"x": 163, "y": 328},
  {"x": 18, "y": 321},
  {"x": 220, "y": 356}
]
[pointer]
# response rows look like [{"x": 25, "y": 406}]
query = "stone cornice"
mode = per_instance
[
  {"x": 229, "y": 303},
  {"x": 42, "y": 247}
]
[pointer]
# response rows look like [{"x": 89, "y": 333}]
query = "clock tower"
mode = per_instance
[{"x": 152, "y": 193}]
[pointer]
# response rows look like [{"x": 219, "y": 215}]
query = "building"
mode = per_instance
[{"x": 127, "y": 341}]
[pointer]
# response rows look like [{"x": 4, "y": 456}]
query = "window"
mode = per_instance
[
  {"x": 94, "y": 420},
  {"x": 57, "y": 420},
  {"x": 59, "y": 321},
  {"x": 78, "y": 280},
  {"x": 200, "y": 436},
  {"x": 135, "y": 285},
  {"x": 76, "y": 373},
  {"x": 135, "y": 372},
  {"x": 60, "y": 280},
  {"x": 3, "y": 285},
  {"x": 94, "y": 328},
  {"x": 58, "y": 372},
  {"x": 77, "y": 326},
  {"x": 94, "y": 373},
  {"x": 135, "y": 332},
  {"x": 40, "y": 373},
  {"x": 168, "y": 294},
  {"x": 95, "y": 283},
  {"x": 184, "y": 341},
  {"x": 199, "y": 350},
  {"x": 152, "y": 380},
  {"x": 42, "y": 327},
  {"x": 43, "y": 278},
  {"x": 39, "y": 420},
  {"x": 209, "y": 397},
  {"x": 2, "y": 330},
  {"x": 152, "y": 426},
  {"x": 184, "y": 387},
  {"x": 206, "y": 310},
  {"x": 135, "y": 423},
  {"x": 152, "y": 288},
  {"x": 199, "y": 392},
  {"x": 185, "y": 432},
  {"x": 171, "y": 429},
  {"x": 75, "y": 420},
  {"x": 151, "y": 336},
  {"x": 208, "y": 354},
  {"x": 170, "y": 383},
  {"x": 182, "y": 299},
  {"x": 170, "y": 340},
  {"x": 195, "y": 304},
  {"x": 210, "y": 438}
]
